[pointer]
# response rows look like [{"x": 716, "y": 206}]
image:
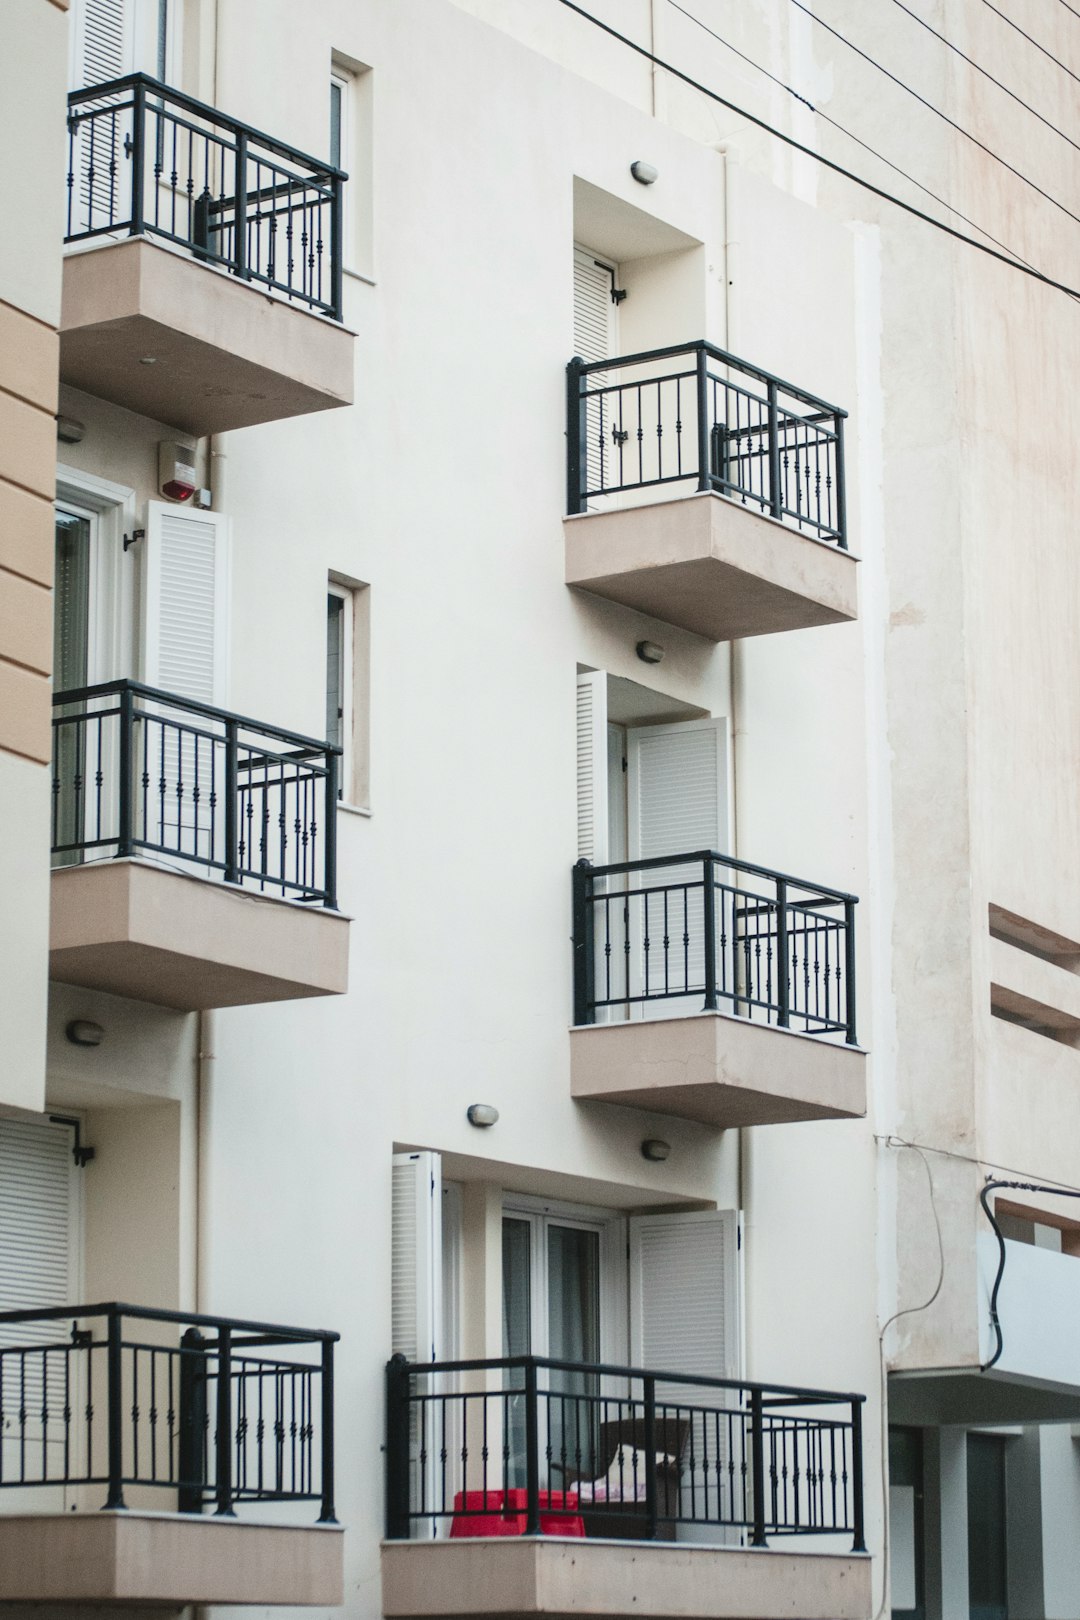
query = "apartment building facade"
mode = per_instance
[{"x": 426, "y": 369}]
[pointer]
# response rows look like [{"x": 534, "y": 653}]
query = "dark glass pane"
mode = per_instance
[
  {"x": 986, "y": 1527},
  {"x": 906, "y": 1522}
]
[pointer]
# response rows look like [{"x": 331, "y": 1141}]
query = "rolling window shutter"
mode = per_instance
[
  {"x": 677, "y": 788},
  {"x": 684, "y": 1295},
  {"x": 592, "y": 767},
  {"x": 37, "y": 1248},
  {"x": 416, "y": 1257},
  {"x": 186, "y": 602}
]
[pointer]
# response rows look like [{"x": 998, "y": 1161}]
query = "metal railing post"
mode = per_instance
[
  {"x": 114, "y": 1381},
  {"x": 841, "y": 485},
  {"x": 858, "y": 1527},
  {"x": 576, "y": 455},
  {"x": 783, "y": 983},
  {"x": 649, "y": 1400},
  {"x": 223, "y": 1436},
  {"x": 330, "y": 783},
  {"x": 849, "y": 969},
  {"x": 584, "y": 945},
  {"x": 709, "y": 923},
  {"x": 397, "y": 1449},
  {"x": 138, "y": 156},
  {"x": 327, "y": 1514},
  {"x": 776, "y": 502},
  {"x": 757, "y": 1464},
  {"x": 192, "y": 1431},
  {"x": 232, "y": 805},
  {"x": 532, "y": 1450},
  {"x": 125, "y": 801},
  {"x": 336, "y": 250},
  {"x": 240, "y": 259},
  {"x": 702, "y": 389}
]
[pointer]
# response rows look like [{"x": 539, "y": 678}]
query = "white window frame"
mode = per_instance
[
  {"x": 110, "y": 509},
  {"x": 614, "y": 1274},
  {"x": 347, "y": 596}
]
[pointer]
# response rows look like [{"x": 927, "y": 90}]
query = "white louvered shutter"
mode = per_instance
[
  {"x": 185, "y": 620},
  {"x": 38, "y": 1206},
  {"x": 677, "y": 803},
  {"x": 103, "y": 49},
  {"x": 592, "y": 768},
  {"x": 684, "y": 1318},
  {"x": 594, "y": 340},
  {"x": 416, "y": 1256}
]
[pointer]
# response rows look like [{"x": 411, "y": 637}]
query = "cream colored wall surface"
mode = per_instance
[
  {"x": 24, "y": 933},
  {"x": 33, "y": 117}
]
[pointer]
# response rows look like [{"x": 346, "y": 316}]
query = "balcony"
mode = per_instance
[
  {"x": 760, "y": 547},
  {"x": 194, "y": 853},
  {"x": 514, "y": 1486},
  {"x": 120, "y": 1426},
  {"x": 714, "y": 990},
  {"x": 206, "y": 289}
]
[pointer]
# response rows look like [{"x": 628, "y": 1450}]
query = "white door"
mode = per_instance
[
  {"x": 596, "y": 339},
  {"x": 39, "y": 1267},
  {"x": 677, "y": 802},
  {"x": 180, "y": 756},
  {"x": 684, "y": 1318}
]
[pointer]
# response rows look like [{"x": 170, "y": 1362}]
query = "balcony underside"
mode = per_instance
[
  {"x": 969, "y": 1397},
  {"x": 223, "y": 354},
  {"x": 166, "y": 1559},
  {"x": 718, "y": 1070},
  {"x": 555, "y": 1578},
  {"x": 138, "y": 930},
  {"x": 711, "y": 565}
]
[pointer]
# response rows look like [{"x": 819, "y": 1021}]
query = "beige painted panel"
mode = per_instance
[
  {"x": 717, "y": 1069},
  {"x": 225, "y": 354},
  {"x": 26, "y": 533},
  {"x": 29, "y": 358},
  {"x": 557, "y": 1577},
  {"x": 25, "y": 622},
  {"x": 139, "y": 930},
  {"x": 710, "y": 565},
  {"x": 160, "y": 1558},
  {"x": 24, "y": 933},
  {"x": 25, "y": 713},
  {"x": 1032, "y": 988},
  {"x": 27, "y": 446}
]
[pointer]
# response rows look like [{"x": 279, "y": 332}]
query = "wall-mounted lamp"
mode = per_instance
[
  {"x": 650, "y": 652},
  {"x": 644, "y": 173},
  {"x": 81, "y": 1032},
  {"x": 70, "y": 431},
  {"x": 655, "y": 1149},
  {"x": 482, "y": 1114}
]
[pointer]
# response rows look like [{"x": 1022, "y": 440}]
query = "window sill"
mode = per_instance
[
  {"x": 354, "y": 809},
  {"x": 358, "y": 275}
]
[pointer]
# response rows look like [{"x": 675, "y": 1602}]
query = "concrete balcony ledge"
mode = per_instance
[
  {"x": 222, "y": 353},
  {"x": 558, "y": 1577},
  {"x": 709, "y": 564},
  {"x": 184, "y": 941},
  {"x": 718, "y": 1070},
  {"x": 167, "y": 1560}
]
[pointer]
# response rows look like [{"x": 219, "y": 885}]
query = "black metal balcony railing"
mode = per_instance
[
  {"x": 207, "y": 1408},
  {"x": 147, "y": 160},
  {"x": 136, "y": 769},
  {"x": 628, "y": 1452},
  {"x": 746, "y": 940},
  {"x": 693, "y": 414}
]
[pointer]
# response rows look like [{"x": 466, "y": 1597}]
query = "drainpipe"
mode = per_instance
[{"x": 204, "y": 1121}]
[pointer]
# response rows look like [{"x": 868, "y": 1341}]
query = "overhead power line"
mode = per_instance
[
  {"x": 828, "y": 119},
  {"x": 835, "y": 32},
  {"x": 972, "y": 63},
  {"x": 818, "y": 157},
  {"x": 1033, "y": 41}
]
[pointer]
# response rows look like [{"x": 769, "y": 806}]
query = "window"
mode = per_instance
[
  {"x": 347, "y": 663},
  {"x": 906, "y": 1523},
  {"x": 339, "y": 111},
  {"x": 350, "y": 136},
  {"x": 987, "y": 1575}
]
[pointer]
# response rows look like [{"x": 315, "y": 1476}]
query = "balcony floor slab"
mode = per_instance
[
  {"x": 718, "y": 1070},
  {"x": 560, "y": 1578},
  {"x": 707, "y": 563},
  {"x": 224, "y": 353},
  {"x": 139, "y": 930},
  {"x": 166, "y": 1560}
]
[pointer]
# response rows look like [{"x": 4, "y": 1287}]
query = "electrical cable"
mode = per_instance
[
  {"x": 930, "y": 29},
  {"x": 1067, "y": 6},
  {"x": 818, "y": 157},
  {"x": 828, "y": 119},
  {"x": 990, "y": 1186},
  {"x": 800, "y": 6},
  {"x": 1033, "y": 41},
  {"x": 892, "y": 1140}
]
